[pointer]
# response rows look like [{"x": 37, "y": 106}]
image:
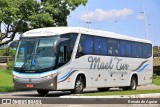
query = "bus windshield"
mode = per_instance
[{"x": 35, "y": 54}]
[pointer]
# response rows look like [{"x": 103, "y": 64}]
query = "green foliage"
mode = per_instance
[
  {"x": 18, "y": 16},
  {"x": 154, "y": 76},
  {"x": 10, "y": 65},
  {"x": 2, "y": 52},
  {"x": 12, "y": 52}
]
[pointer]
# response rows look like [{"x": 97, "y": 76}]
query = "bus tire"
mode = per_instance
[
  {"x": 79, "y": 86},
  {"x": 103, "y": 89},
  {"x": 42, "y": 92},
  {"x": 133, "y": 84}
]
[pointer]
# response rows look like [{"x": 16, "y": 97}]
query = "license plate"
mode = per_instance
[{"x": 30, "y": 85}]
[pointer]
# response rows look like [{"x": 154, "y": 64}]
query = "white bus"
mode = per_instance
[{"x": 73, "y": 58}]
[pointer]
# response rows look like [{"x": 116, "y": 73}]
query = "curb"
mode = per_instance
[{"x": 152, "y": 95}]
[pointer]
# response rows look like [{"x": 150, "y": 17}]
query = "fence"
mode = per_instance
[{"x": 5, "y": 59}]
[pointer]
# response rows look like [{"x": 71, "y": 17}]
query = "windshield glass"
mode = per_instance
[{"x": 36, "y": 54}]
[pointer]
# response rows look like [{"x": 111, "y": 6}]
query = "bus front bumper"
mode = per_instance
[{"x": 35, "y": 83}]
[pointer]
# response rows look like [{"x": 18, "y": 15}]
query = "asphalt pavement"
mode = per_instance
[{"x": 66, "y": 94}]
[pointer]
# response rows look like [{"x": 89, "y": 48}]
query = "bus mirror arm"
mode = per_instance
[{"x": 56, "y": 44}]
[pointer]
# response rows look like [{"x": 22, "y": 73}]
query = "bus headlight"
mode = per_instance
[
  {"x": 49, "y": 76},
  {"x": 15, "y": 77}
]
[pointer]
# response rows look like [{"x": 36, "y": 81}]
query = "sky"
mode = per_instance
[{"x": 128, "y": 17}]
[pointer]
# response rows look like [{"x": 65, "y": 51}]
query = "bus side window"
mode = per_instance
[
  {"x": 147, "y": 50},
  {"x": 134, "y": 50},
  {"x": 96, "y": 46},
  {"x": 85, "y": 46},
  {"x": 103, "y": 46},
  {"x": 113, "y": 47},
  {"x": 128, "y": 49},
  {"x": 100, "y": 45},
  {"x": 123, "y": 48},
  {"x": 139, "y": 50}
]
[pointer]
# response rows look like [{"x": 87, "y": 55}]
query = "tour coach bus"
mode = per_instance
[{"x": 73, "y": 58}]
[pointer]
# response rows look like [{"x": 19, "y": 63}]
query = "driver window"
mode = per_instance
[{"x": 62, "y": 59}]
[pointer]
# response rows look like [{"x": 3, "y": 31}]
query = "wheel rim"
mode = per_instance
[
  {"x": 79, "y": 86},
  {"x": 133, "y": 85}
]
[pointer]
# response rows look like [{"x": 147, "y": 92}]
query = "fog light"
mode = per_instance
[{"x": 51, "y": 84}]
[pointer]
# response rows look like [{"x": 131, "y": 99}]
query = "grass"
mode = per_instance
[
  {"x": 133, "y": 92},
  {"x": 156, "y": 81},
  {"x": 6, "y": 81}
]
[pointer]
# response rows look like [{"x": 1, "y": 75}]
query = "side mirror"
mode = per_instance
[
  {"x": 9, "y": 45},
  {"x": 56, "y": 44}
]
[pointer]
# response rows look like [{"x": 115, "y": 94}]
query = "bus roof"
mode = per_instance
[{"x": 51, "y": 31}]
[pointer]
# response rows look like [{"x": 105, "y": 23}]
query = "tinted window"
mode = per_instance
[
  {"x": 96, "y": 46},
  {"x": 128, "y": 49},
  {"x": 86, "y": 45},
  {"x": 100, "y": 46},
  {"x": 113, "y": 47},
  {"x": 123, "y": 48},
  {"x": 136, "y": 50},
  {"x": 139, "y": 50},
  {"x": 103, "y": 46},
  {"x": 147, "y": 50}
]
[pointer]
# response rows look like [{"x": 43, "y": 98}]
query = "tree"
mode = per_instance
[{"x": 18, "y": 16}]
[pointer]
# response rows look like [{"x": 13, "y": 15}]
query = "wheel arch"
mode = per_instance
[{"x": 82, "y": 75}]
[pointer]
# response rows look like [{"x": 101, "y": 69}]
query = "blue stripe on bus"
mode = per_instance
[
  {"x": 143, "y": 67},
  {"x": 65, "y": 76}
]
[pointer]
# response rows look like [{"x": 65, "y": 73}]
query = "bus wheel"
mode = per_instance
[
  {"x": 79, "y": 85},
  {"x": 133, "y": 84},
  {"x": 42, "y": 92},
  {"x": 103, "y": 89}
]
